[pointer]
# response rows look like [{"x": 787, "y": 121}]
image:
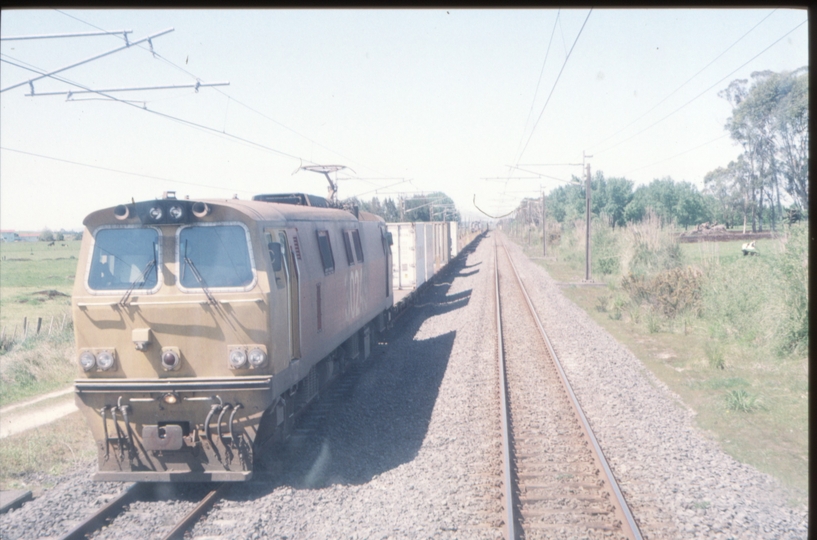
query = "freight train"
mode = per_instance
[{"x": 203, "y": 327}]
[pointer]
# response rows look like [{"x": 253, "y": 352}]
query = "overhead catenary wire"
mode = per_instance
[
  {"x": 120, "y": 171},
  {"x": 704, "y": 92},
  {"x": 539, "y": 80},
  {"x": 678, "y": 154},
  {"x": 685, "y": 82},
  {"x": 30, "y": 82},
  {"x": 168, "y": 116},
  {"x": 231, "y": 98},
  {"x": 554, "y": 85}
]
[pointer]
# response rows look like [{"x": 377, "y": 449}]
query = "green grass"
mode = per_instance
[
  {"x": 28, "y": 459},
  {"x": 27, "y": 272},
  {"x": 741, "y": 365},
  {"x": 37, "y": 366}
]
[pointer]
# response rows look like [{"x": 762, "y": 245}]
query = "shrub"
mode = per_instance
[
  {"x": 670, "y": 292},
  {"x": 792, "y": 275},
  {"x": 605, "y": 251},
  {"x": 742, "y": 401},
  {"x": 714, "y": 353},
  {"x": 649, "y": 247}
]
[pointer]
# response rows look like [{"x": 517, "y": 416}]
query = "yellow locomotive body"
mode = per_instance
[{"x": 201, "y": 327}]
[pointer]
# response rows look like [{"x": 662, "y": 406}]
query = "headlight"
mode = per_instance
[
  {"x": 170, "y": 360},
  {"x": 257, "y": 358},
  {"x": 176, "y": 212},
  {"x": 104, "y": 360},
  {"x": 238, "y": 359},
  {"x": 155, "y": 213},
  {"x": 87, "y": 360}
]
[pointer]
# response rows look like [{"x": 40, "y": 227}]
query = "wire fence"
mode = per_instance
[{"x": 44, "y": 327}]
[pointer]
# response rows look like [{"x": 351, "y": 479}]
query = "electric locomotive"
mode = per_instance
[{"x": 203, "y": 326}]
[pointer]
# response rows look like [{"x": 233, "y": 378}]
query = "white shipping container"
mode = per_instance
[
  {"x": 430, "y": 268},
  {"x": 442, "y": 253},
  {"x": 410, "y": 254},
  {"x": 453, "y": 238}
]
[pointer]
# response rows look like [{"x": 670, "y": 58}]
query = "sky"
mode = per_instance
[{"x": 488, "y": 106}]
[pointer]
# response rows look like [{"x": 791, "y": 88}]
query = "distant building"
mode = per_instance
[
  {"x": 29, "y": 237},
  {"x": 9, "y": 236}
]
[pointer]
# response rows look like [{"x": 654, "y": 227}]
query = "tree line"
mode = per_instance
[
  {"x": 436, "y": 206},
  {"x": 766, "y": 185},
  {"x": 619, "y": 203},
  {"x": 769, "y": 121}
]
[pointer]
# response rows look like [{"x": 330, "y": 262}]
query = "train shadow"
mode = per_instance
[{"x": 380, "y": 422}]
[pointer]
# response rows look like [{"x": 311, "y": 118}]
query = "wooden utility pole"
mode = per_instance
[
  {"x": 544, "y": 228},
  {"x": 529, "y": 221},
  {"x": 587, "y": 233}
]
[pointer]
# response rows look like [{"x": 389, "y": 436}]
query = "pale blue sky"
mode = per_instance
[{"x": 443, "y": 98}]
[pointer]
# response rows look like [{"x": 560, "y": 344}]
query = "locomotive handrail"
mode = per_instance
[
  {"x": 187, "y": 384},
  {"x": 170, "y": 302},
  {"x": 241, "y": 300},
  {"x": 116, "y": 303}
]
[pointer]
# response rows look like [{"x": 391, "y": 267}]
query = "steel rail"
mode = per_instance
[
  {"x": 510, "y": 520},
  {"x": 191, "y": 518},
  {"x": 634, "y": 531},
  {"x": 98, "y": 518}
]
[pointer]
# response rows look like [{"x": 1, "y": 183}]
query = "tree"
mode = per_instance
[
  {"x": 619, "y": 195},
  {"x": 792, "y": 120},
  {"x": 46, "y": 235},
  {"x": 390, "y": 212},
  {"x": 770, "y": 122},
  {"x": 691, "y": 208},
  {"x": 436, "y": 206},
  {"x": 719, "y": 185}
]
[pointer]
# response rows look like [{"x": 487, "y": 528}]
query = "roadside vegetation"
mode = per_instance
[
  {"x": 725, "y": 331},
  {"x": 35, "y": 289},
  {"x": 33, "y": 459},
  {"x": 35, "y": 285}
]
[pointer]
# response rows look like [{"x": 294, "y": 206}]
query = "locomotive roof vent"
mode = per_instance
[
  {"x": 169, "y": 195},
  {"x": 300, "y": 199}
]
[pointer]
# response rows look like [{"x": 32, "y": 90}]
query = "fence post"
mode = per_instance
[
  {"x": 63, "y": 322},
  {"x": 25, "y": 328},
  {"x": 39, "y": 324},
  {"x": 50, "y": 325}
]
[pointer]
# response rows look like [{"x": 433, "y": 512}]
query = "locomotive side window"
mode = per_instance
[
  {"x": 214, "y": 256},
  {"x": 276, "y": 255},
  {"x": 348, "y": 245},
  {"x": 358, "y": 245},
  {"x": 326, "y": 252},
  {"x": 124, "y": 258}
]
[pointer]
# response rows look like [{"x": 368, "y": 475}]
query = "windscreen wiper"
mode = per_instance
[
  {"x": 197, "y": 275},
  {"x": 141, "y": 279}
]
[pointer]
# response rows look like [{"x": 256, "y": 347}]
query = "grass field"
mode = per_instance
[
  {"x": 28, "y": 460},
  {"x": 35, "y": 281},
  {"x": 747, "y": 395}
]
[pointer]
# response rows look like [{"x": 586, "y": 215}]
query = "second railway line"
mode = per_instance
[{"x": 560, "y": 483}]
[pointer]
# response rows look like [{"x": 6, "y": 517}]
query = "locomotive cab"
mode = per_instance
[{"x": 190, "y": 319}]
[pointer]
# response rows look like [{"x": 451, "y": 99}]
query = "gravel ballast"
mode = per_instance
[
  {"x": 412, "y": 448},
  {"x": 680, "y": 482}
]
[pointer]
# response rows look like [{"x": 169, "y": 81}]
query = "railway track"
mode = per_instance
[
  {"x": 557, "y": 482},
  {"x": 307, "y": 427},
  {"x": 145, "y": 491}
]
